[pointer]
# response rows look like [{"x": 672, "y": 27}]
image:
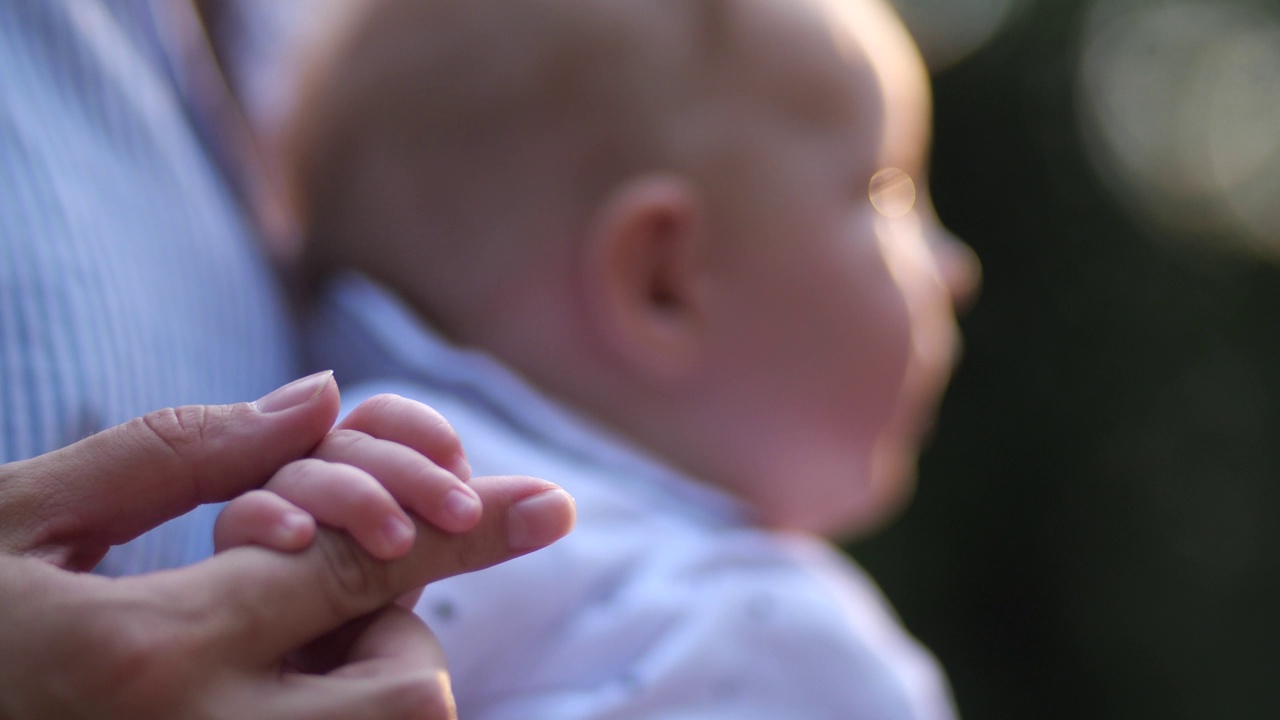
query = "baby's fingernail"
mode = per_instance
[
  {"x": 463, "y": 506},
  {"x": 294, "y": 531},
  {"x": 295, "y": 393},
  {"x": 539, "y": 520},
  {"x": 398, "y": 533}
]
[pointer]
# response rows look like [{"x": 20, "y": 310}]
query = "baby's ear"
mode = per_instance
[{"x": 644, "y": 276}]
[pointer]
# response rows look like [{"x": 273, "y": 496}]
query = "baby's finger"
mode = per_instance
[
  {"x": 414, "y": 425},
  {"x": 348, "y": 498},
  {"x": 417, "y": 483},
  {"x": 260, "y": 517}
]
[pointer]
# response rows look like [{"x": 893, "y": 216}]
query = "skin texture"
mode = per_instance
[
  {"x": 700, "y": 263},
  {"x": 251, "y": 632}
]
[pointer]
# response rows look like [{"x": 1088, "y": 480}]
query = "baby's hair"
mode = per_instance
[{"x": 441, "y": 123}]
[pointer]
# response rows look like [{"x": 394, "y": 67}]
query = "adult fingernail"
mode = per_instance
[
  {"x": 463, "y": 506},
  {"x": 295, "y": 393},
  {"x": 539, "y": 520}
]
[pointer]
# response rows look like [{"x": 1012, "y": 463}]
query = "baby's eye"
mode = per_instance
[{"x": 892, "y": 192}]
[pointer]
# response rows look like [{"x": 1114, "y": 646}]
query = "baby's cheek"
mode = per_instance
[{"x": 867, "y": 492}]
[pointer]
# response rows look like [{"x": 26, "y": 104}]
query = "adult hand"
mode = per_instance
[
  {"x": 69, "y": 506},
  {"x": 217, "y": 639}
]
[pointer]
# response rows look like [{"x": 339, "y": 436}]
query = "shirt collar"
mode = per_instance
[{"x": 376, "y": 333}]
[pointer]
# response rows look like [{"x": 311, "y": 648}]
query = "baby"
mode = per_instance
[{"x": 677, "y": 256}]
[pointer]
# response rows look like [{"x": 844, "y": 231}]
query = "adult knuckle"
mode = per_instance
[
  {"x": 181, "y": 429},
  {"x": 470, "y": 551}
]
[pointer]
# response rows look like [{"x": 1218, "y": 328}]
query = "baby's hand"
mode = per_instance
[{"x": 388, "y": 453}]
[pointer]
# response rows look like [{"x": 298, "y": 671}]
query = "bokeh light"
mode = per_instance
[
  {"x": 949, "y": 30},
  {"x": 892, "y": 192},
  {"x": 1179, "y": 103}
]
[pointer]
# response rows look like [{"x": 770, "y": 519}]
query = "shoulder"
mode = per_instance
[{"x": 735, "y": 625}]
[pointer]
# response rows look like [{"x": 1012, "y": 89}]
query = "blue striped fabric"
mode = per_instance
[{"x": 129, "y": 279}]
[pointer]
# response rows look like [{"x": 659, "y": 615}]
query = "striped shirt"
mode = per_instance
[{"x": 129, "y": 278}]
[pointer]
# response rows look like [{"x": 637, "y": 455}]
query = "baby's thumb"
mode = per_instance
[{"x": 117, "y": 484}]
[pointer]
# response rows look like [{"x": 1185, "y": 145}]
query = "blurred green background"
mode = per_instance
[{"x": 1094, "y": 534}]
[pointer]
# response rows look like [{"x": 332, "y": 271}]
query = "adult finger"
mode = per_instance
[
  {"x": 413, "y": 425},
  {"x": 395, "y": 638},
  {"x": 412, "y": 686},
  {"x": 267, "y": 603},
  {"x": 393, "y": 664},
  {"x": 402, "y": 696},
  {"x": 111, "y": 487},
  {"x": 437, "y": 495},
  {"x": 387, "y": 665},
  {"x": 376, "y": 645}
]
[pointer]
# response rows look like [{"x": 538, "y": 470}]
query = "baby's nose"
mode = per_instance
[{"x": 959, "y": 269}]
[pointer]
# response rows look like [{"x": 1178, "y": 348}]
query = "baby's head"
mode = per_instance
[{"x": 702, "y": 222}]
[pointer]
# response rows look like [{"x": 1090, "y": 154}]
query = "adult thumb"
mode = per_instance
[{"x": 70, "y": 505}]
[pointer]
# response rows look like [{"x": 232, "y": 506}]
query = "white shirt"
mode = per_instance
[{"x": 665, "y": 602}]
